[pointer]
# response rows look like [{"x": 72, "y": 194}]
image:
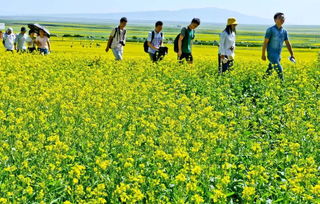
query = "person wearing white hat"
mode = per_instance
[
  {"x": 9, "y": 39},
  {"x": 227, "y": 46}
]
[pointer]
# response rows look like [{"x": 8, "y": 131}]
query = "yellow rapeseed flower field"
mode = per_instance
[{"x": 78, "y": 127}]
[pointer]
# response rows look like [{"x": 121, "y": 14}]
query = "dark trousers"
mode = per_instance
[
  {"x": 223, "y": 67},
  {"x": 31, "y": 49},
  {"x": 156, "y": 57}
]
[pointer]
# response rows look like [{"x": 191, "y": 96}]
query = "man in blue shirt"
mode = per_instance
[{"x": 273, "y": 43}]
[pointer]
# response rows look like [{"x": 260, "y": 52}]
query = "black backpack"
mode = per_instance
[
  {"x": 176, "y": 41},
  {"x": 145, "y": 44}
]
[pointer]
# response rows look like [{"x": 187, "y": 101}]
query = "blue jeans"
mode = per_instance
[
  {"x": 44, "y": 51},
  {"x": 275, "y": 65},
  {"x": 117, "y": 53}
]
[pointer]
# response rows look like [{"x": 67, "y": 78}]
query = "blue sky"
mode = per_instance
[{"x": 297, "y": 12}]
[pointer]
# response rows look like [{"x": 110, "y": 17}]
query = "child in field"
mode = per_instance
[
  {"x": 43, "y": 43},
  {"x": 185, "y": 41},
  {"x": 227, "y": 46},
  {"x": 117, "y": 39},
  {"x": 20, "y": 42},
  {"x": 273, "y": 43}
]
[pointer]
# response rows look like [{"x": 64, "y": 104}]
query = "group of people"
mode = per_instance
[
  {"x": 274, "y": 38},
  {"x": 23, "y": 42}
]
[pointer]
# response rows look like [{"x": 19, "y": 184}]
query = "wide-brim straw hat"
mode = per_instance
[{"x": 232, "y": 21}]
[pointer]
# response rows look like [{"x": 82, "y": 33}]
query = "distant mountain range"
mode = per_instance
[{"x": 207, "y": 15}]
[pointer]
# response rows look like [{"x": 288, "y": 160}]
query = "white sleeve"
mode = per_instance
[
  {"x": 112, "y": 32},
  {"x": 234, "y": 42},
  {"x": 222, "y": 46},
  {"x": 149, "y": 37}
]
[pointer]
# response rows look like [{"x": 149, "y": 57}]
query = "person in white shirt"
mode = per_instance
[
  {"x": 20, "y": 41},
  {"x": 117, "y": 39},
  {"x": 8, "y": 40},
  {"x": 227, "y": 46},
  {"x": 155, "y": 41}
]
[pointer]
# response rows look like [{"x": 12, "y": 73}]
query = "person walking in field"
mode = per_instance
[
  {"x": 8, "y": 40},
  {"x": 183, "y": 42},
  {"x": 43, "y": 43},
  {"x": 155, "y": 43},
  {"x": 117, "y": 39},
  {"x": 20, "y": 42},
  {"x": 227, "y": 46},
  {"x": 31, "y": 41},
  {"x": 273, "y": 43}
]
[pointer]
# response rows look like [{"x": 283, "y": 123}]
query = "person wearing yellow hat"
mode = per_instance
[{"x": 227, "y": 46}]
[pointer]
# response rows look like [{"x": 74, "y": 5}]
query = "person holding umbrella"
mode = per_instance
[{"x": 43, "y": 42}]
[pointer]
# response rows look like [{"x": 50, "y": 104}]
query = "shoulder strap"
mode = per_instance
[
  {"x": 153, "y": 34},
  {"x": 115, "y": 32},
  {"x": 161, "y": 38},
  {"x": 124, "y": 34},
  {"x": 187, "y": 32}
]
